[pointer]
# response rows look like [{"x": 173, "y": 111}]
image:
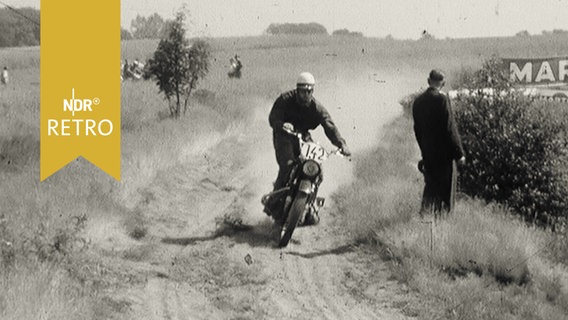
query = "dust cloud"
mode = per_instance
[{"x": 360, "y": 107}]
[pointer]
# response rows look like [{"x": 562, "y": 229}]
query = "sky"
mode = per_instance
[{"x": 402, "y": 19}]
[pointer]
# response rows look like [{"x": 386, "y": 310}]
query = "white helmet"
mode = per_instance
[{"x": 306, "y": 81}]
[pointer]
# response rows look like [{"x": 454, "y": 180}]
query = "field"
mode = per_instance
[{"x": 159, "y": 243}]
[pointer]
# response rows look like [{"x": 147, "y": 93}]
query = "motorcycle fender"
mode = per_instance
[{"x": 305, "y": 186}]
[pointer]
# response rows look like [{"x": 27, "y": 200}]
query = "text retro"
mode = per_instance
[{"x": 79, "y": 127}]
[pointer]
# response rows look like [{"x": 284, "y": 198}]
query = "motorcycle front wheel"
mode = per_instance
[{"x": 294, "y": 215}]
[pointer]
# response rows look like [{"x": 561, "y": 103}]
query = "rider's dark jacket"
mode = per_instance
[
  {"x": 287, "y": 109},
  {"x": 304, "y": 118}
]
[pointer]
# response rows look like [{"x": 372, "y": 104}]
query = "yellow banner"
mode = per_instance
[{"x": 80, "y": 84}]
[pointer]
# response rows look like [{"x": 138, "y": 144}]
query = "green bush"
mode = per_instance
[{"x": 516, "y": 148}]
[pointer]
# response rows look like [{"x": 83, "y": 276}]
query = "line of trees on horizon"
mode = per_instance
[
  {"x": 156, "y": 27},
  {"x": 525, "y": 33},
  {"x": 346, "y": 32},
  {"x": 151, "y": 27},
  {"x": 296, "y": 28},
  {"x": 312, "y": 28},
  {"x": 21, "y": 27}
]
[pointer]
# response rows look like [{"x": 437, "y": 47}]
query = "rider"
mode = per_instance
[{"x": 297, "y": 110}]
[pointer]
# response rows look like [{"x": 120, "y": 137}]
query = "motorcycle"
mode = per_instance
[{"x": 300, "y": 193}]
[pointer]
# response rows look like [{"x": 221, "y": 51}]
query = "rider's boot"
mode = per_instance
[
  {"x": 267, "y": 209},
  {"x": 272, "y": 206},
  {"x": 267, "y": 201},
  {"x": 312, "y": 218}
]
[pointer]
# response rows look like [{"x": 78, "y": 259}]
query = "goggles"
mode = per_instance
[{"x": 305, "y": 88}]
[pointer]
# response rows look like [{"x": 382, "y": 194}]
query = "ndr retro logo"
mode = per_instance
[{"x": 79, "y": 127}]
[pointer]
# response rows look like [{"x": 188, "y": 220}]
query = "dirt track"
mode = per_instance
[{"x": 208, "y": 251}]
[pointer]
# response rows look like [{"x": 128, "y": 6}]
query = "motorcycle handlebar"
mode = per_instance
[{"x": 337, "y": 151}]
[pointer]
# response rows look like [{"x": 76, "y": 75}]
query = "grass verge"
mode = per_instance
[{"x": 478, "y": 263}]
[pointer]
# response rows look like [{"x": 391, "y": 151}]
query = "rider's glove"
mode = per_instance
[
  {"x": 307, "y": 137},
  {"x": 345, "y": 151},
  {"x": 288, "y": 126}
]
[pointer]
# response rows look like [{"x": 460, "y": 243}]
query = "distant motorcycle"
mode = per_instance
[{"x": 300, "y": 200}]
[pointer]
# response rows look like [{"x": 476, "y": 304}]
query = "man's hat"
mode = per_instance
[
  {"x": 436, "y": 75},
  {"x": 306, "y": 81}
]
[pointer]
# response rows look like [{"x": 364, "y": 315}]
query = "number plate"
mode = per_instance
[{"x": 314, "y": 152}]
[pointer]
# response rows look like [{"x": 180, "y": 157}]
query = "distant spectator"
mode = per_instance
[
  {"x": 236, "y": 66},
  {"x": 235, "y": 62},
  {"x": 125, "y": 69},
  {"x": 135, "y": 66},
  {"x": 5, "y": 78},
  {"x": 440, "y": 145}
]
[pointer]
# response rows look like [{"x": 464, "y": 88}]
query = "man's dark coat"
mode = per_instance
[{"x": 440, "y": 144}]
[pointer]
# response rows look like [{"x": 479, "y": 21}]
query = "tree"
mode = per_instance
[
  {"x": 147, "y": 28},
  {"x": 125, "y": 34},
  {"x": 178, "y": 67},
  {"x": 296, "y": 28},
  {"x": 523, "y": 34},
  {"x": 199, "y": 54},
  {"x": 346, "y": 32},
  {"x": 166, "y": 28}
]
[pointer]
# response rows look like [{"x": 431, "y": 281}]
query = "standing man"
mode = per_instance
[
  {"x": 440, "y": 145},
  {"x": 297, "y": 110},
  {"x": 236, "y": 66},
  {"x": 5, "y": 78}
]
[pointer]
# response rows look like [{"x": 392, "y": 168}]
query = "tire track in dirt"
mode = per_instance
[
  {"x": 169, "y": 300},
  {"x": 313, "y": 284},
  {"x": 179, "y": 210},
  {"x": 314, "y": 271},
  {"x": 303, "y": 281}
]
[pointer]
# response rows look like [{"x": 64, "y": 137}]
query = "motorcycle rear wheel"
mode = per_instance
[{"x": 294, "y": 215}]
